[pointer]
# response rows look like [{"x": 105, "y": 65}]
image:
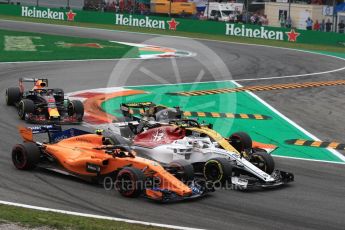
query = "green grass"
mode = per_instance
[
  {"x": 42, "y": 47},
  {"x": 32, "y": 218},
  {"x": 186, "y": 34}
]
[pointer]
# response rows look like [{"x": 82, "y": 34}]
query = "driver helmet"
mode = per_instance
[
  {"x": 167, "y": 115},
  {"x": 39, "y": 84},
  {"x": 150, "y": 112}
]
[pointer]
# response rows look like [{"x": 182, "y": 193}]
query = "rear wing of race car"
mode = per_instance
[
  {"x": 135, "y": 108},
  {"x": 131, "y": 110},
  {"x": 55, "y": 132},
  {"x": 138, "y": 108},
  {"x": 138, "y": 104},
  {"x": 42, "y": 81}
]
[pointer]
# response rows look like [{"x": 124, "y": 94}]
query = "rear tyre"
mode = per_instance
[
  {"x": 130, "y": 182},
  {"x": 26, "y": 106},
  {"x": 25, "y": 156},
  {"x": 182, "y": 170},
  {"x": 263, "y": 161},
  {"x": 76, "y": 108},
  {"x": 13, "y": 95},
  {"x": 241, "y": 141},
  {"x": 218, "y": 170}
]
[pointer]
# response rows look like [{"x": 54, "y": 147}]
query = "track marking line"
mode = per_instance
[
  {"x": 312, "y": 160},
  {"x": 85, "y": 60},
  {"x": 334, "y": 152},
  {"x": 292, "y": 76},
  {"x": 96, "y": 216}
]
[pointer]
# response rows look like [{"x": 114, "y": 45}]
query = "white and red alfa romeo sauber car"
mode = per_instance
[{"x": 236, "y": 160}]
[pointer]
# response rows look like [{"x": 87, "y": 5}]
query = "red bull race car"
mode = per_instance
[{"x": 42, "y": 104}]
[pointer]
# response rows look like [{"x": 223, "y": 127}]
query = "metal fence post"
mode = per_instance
[
  {"x": 334, "y": 29},
  {"x": 170, "y": 8},
  {"x": 247, "y": 11},
  {"x": 289, "y": 15}
]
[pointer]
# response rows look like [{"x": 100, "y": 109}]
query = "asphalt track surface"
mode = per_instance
[{"x": 314, "y": 201}]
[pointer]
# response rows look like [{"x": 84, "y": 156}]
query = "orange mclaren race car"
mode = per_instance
[
  {"x": 92, "y": 157},
  {"x": 43, "y": 105}
]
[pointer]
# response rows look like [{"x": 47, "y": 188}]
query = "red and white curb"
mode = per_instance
[{"x": 94, "y": 115}]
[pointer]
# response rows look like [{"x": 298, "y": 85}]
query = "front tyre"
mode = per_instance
[
  {"x": 263, "y": 161},
  {"x": 26, "y": 156},
  {"x": 25, "y": 107},
  {"x": 59, "y": 95},
  {"x": 130, "y": 182},
  {"x": 182, "y": 170},
  {"x": 76, "y": 108},
  {"x": 218, "y": 170},
  {"x": 13, "y": 95}
]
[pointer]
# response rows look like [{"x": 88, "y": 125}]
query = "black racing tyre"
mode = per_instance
[
  {"x": 182, "y": 170},
  {"x": 218, "y": 170},
  {"x": 26, "y": 106},
  {"x": 25, "y": 156},
  {"x": 263, "y": 161},
  {"x": 130, "y": 182},
  {"x": 13, "y": 95},
  {"x": 59, "y": 95},
  {"x": 241, "y": 141},
  {"x": 76, "y": 107}
]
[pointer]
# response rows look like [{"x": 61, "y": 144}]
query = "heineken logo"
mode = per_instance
[
  {"x": 33, "y": 12},
  {"x": 261, "y": 32},
  {"x": 146, "y": 22}
]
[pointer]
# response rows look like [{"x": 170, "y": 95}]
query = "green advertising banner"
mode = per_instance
[{"x": 178, "y": 24}]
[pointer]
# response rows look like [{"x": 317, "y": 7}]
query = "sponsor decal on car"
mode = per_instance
[{"x": 159, "y": 135}]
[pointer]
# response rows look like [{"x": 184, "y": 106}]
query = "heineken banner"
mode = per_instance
[{"x": 177, "y": 24}]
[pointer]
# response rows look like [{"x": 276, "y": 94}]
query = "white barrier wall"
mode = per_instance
[{"x": 299, "y": 13}]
